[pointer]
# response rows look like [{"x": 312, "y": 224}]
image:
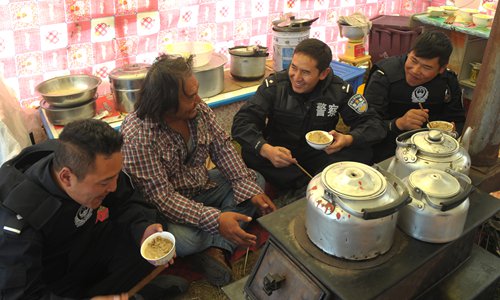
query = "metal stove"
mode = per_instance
[{"x": 291, "y": 267}]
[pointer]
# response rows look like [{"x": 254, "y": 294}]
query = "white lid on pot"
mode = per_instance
[
  {"x": 353, "y": 180},
  {"x": 435, "y": 143},
  {"x": 434, "y": 183}
]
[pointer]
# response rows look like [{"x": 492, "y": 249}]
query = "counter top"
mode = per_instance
[{"x": 456, "y": 26}]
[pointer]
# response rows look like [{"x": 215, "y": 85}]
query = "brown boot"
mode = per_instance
[{"x": 215, "y": 266}]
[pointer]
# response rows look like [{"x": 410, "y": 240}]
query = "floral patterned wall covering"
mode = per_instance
[{"x": 47, "y": 38}]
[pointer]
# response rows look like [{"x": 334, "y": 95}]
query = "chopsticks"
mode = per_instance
[
  {"x": 303, "y": 170},
  {"x": 422, "y": 109},
  {"x": 146, "y": 280}
]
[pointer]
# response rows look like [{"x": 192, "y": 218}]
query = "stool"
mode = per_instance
[{"x": 360, "y": 62}]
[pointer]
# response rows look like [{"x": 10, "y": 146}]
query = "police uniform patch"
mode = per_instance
[{"x": 358, "y": 103}]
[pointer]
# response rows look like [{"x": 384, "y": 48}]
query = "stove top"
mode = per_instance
[{"x": 408, "y": 269}]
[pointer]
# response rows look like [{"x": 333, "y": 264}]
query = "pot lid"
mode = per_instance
[
  {"x": 292, "y": 24},
  {"x": 130, "y": 72},
  {"x": 216, "y": 60},
  {"x": 353, "y": 181},
  {"x": 435, "y": 143},
  {"x": 434, "y": 183},
  {"x": 248, "y": 51}
]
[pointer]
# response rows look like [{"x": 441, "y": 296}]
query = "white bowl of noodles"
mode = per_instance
[
  {"x": 319, "y": 139},
  {"x": 159, "y": 248}
]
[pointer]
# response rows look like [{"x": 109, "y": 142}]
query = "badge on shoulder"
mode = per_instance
[{"x": 358, "y": 103}]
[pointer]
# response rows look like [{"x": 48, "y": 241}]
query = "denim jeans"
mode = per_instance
[{"x": 189, "y": 239}]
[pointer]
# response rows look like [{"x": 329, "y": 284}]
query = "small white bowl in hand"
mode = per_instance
[
  {"x": 155, "y": 250},
  {"x": 314, "y": 143}
]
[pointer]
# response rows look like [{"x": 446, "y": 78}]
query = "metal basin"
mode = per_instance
[
  {"x": 69, "y": 90},
  {"x": 65, "y": 115}
]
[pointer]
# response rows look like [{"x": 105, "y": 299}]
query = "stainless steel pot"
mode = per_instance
[
  {"x": 69, "y": 90},
  {"x": 211, "y": 76},
  {"x": 352, "y": 210},
  {"x": 126, "y": 82},
  {"x": 248, "y": 62},
  {"x": 428, "y": 148},
  {"x": 439, "y": 207},
  {"x": 65, "y": 115}
]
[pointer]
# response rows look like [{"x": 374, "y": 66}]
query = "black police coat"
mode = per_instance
[
  {"x": 279, "y": 116},
  {"x": 44, "y": 232}
]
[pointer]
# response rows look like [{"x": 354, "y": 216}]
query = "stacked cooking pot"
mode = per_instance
[
  {"x": 69, "y": 98},
  {"x": 126, "y": 82}
]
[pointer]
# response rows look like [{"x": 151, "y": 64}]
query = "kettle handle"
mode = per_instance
[
  {"x": 388, "y": 209},
  {"x": 407, "y": 135},
  {"x": 458, "y": 199}
]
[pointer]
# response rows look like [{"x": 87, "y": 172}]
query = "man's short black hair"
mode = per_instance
[
  {"x": 160, "y": 90},
  {"x": 317, "y": 50},
  {"x": 80, "y": 143},
  {"x": 433, "y": 44}
]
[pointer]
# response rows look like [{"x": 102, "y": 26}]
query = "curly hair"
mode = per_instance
[{"x": 160, "y": 90}]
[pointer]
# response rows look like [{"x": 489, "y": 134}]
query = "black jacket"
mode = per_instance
[
  {"x": 390, "y": 95},
  {"x": 279, "y": 116},
  {"x": 39, "y": 236}
]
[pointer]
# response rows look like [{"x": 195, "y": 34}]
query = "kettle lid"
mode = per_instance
[
  {"x": 435, "y": 143},
  {"x": 353, "y": 180},
  {"x": 434, "y": 183}
]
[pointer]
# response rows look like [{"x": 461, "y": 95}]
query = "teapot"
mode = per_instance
[{"x": 428, "y": 148}]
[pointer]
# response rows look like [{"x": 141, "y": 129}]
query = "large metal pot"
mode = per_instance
[
  {"x": 126, "y": 82},
  {"x": 211, "y": 76},
  {"x": 69, "y": 90},
  {"x": 428, "y": 148},
  {"x": 439, "y": 207},
  {"x": 248, "y": 62},
  {"x": 352, "y": 210},
  {"x": 65, "y": 115}
]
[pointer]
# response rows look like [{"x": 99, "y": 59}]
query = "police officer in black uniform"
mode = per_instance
[
  {"x": 71, "y": 221},
  {"x": 271, "y": 126},
  {"x": 398, "y": 84}
]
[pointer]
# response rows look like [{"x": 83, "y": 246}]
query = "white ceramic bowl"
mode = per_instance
[
  {"x": 153, "y": 249},
  {"x": 443, "y": 125},
  {"x": 434, "y": 11},
  {"x": 312, "y": 139},
  {"x": 449, "y": 10},
  {"x": 202, "y": 51},
  {"x": 482, "y": 20},
  {"x": 466, "y": 14}
]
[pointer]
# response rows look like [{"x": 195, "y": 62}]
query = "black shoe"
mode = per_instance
[
  {"x": 217, "y": 270},
  {"x": 163, "y": 287}
]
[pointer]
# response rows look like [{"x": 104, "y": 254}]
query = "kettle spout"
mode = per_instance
[{"x": 464, "y": 140}]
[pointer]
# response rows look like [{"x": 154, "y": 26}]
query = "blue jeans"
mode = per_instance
[{"x": 189, "y": 239}]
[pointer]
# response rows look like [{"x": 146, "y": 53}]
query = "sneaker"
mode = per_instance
[
  {"x": 215, "y": 266},
  {"x": 163, "y": 287}
]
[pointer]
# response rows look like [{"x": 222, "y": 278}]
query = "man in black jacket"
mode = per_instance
[
  {"x": 271, "y": 126},
  {"x": 399, "y": 85},
  {"x": 71, "y": 221}
]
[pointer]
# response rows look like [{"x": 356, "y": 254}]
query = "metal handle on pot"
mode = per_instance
[
  {"x": 386, "y": 210},
  {"x": 406, "y": 135},
  {"x": 458, "y": 199}
]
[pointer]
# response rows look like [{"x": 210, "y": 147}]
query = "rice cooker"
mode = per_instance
[
  {"x": 428, "y": 148},
  {"x": 439, "y": 206},
  {"x": 352, "y": 210}
]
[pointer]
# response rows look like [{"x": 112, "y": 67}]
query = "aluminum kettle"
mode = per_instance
[{"x": 428, "y": 148}]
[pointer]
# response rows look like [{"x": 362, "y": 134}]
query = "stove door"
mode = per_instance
[{"x": 277, "y": 276}]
